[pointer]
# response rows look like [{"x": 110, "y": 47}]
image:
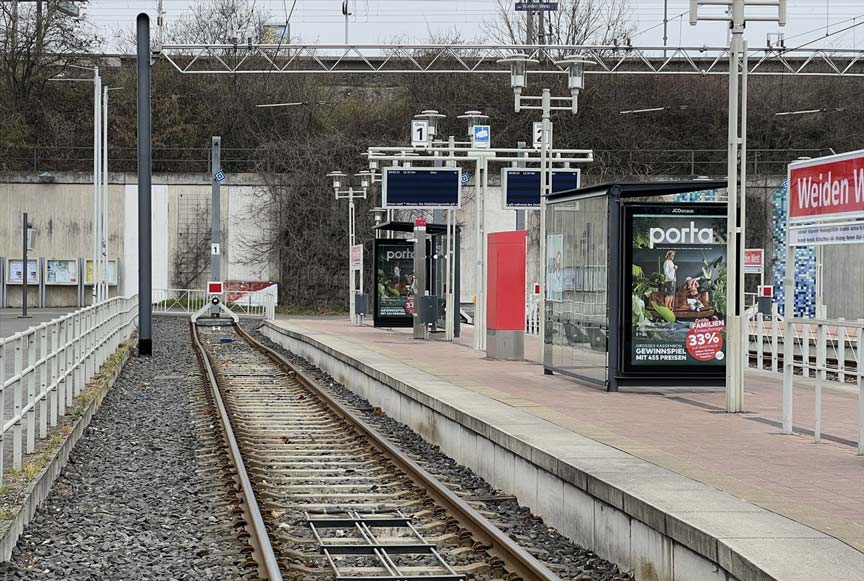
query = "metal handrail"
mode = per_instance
[
  {"x": 62, "y": 356},
  {"x": 821, "y": 336},
  {"x": 188, "y": 301}
]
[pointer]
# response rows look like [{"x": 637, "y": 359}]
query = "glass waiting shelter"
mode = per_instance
[
  {"x": 636, "y": 283},
  {"x": 393, "y": 273}
]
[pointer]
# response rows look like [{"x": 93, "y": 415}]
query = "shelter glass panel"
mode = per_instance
[{"x": 576, "y": 262}]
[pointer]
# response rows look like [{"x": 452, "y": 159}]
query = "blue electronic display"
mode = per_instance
[
  {"x": 421, "y": 188},
  {"x": 522, "y": 186}
]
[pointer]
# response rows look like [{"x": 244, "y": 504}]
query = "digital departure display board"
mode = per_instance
[
  {"x": 521, "y": 187},
  {"x": 421, "y": 187}
]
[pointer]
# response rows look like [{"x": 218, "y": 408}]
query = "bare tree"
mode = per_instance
[
  {"x": 219, "y": 21},
  {"x": 602, "y": 22},
  {"x": 192, "y": 255},
  {"x": 37, "y": 40}
]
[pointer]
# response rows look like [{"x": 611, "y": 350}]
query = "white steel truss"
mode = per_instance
[{"x": 483, "y": 59}]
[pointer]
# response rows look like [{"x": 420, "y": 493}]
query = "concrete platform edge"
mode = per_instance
[
  {"x": 591, "y": 504},
  {"x": 39, "y": 489}
]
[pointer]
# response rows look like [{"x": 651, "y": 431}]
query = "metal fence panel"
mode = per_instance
[{"x": 51, "y": 363}]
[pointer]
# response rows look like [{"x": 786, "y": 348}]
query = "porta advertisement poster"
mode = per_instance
[
  {"x": 677, "y": 276},
  {"x": 394, "y": 283}
]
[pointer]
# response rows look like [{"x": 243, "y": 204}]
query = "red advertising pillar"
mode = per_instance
[{"x": 505, "y": 302}]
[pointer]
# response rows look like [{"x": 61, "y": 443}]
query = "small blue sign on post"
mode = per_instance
[
  {"x": 219, "y": 176},
  {"x": 482, "y": 135},
  {"x": 466, "y": 177}
]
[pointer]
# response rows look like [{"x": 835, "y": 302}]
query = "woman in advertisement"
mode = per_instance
[{"x": 669, "y": 273}]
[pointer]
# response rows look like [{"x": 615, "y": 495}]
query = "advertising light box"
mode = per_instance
[
  {"x": 676, "y": 269},
  {"x": 520, "y": 188},
  {"x": 394, "y": 283},
  {"x": 421, "y": 187}
]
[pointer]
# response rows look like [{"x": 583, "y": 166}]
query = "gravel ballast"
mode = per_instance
[
  {"x": 144, "y": 494},
  {"x": 563, "y": 557}
]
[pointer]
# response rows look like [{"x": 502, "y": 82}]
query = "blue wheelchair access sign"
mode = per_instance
[{"x": 481, "y": 136}]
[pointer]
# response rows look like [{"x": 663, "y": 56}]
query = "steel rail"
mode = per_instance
[
  {"x": 268, "y": 566},
  {"x": 516, "y": 559}
]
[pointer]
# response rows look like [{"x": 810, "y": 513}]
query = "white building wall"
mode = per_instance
[
  {"x": 159, "y": 239},
  {"x": 62, "y": 215}
]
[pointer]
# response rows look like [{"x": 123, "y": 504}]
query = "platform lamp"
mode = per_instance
[
  {"x": 481, "y": 179},
  {"x": 518, "y": 75},
  {"x": 340, "y": 180},
  {"x": 575, "y": 68},
  {"x": 473, "y": 118}
]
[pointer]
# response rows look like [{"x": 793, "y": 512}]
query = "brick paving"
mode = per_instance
[{"x": 820, "y": 485}]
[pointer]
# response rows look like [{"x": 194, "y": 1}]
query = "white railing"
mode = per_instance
[
  {"x": 260, "y": 303},
  {"x": 829, "y": 351},
  {"x": 532, "y": 318},
  {"x": 51, "y": 364}
]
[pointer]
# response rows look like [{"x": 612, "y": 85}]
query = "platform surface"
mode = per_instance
[{"x": 746, "y": 455}]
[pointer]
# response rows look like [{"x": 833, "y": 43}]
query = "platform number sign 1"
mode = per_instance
[
  {"x": 419, "y": 133},
  {"x": 537, "y": 134}
]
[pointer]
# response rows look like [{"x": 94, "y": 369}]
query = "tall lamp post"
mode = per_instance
[
  {"x": 351, "y": 194},
  {"x": 481, "y": 180},
  {"x": 546, "y": 103},
  {"x": 103, "y": 279},
  {"x": 736, "y": 333}
]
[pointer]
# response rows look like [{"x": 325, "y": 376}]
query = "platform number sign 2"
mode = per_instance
[
  {"x": 537, "y": 134},
  {"x": 419, "y": 133}
]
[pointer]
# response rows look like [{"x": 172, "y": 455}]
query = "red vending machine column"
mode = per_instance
[{"x": 505, "y": 292}]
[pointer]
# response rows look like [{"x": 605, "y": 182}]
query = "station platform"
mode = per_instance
[{"x": 665, "y": 484}]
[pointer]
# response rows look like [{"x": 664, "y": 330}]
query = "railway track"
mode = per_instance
[{"x": 325, "y": 496}]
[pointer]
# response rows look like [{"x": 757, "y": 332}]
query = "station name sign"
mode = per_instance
[
  {"x": 536, "y": 6},
  {"x": 827, "y": 188}
]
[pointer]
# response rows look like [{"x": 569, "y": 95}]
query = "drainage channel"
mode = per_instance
[{"x": 335, "y": 498}]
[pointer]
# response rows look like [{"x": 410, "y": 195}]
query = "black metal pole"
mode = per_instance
[
  {"x": 24, "y": 270},
  {"x": 145, "y": 307}
]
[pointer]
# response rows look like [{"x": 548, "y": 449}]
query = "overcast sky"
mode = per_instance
[{"x": 381, "y": 21}]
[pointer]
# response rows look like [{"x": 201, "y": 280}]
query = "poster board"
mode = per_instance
[
  {"x": 61, "y": 272},
  {"x": 675, "y": 269},
  {"x": 112, "y": 272},
  {"x": 15, "y": 274},
  {"x": 394, "y": 283}
]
